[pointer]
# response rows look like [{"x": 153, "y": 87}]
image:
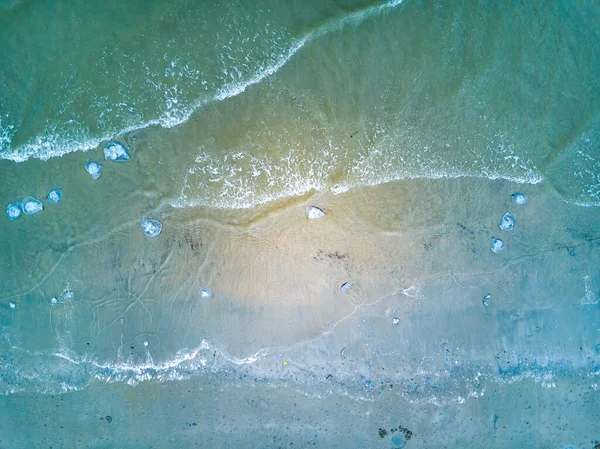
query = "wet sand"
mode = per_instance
[{"x": 139, "y": 343}]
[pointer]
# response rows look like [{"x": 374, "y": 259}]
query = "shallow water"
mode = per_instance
[{"x": 410, "y": 124}]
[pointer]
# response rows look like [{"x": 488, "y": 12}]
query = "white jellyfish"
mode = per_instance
[
  {"x": 54, "y": 196},
  {"x": 519, "y": 198},
  {"x": 313, "y": 212},
  {"x": 205, "y": 293},
  {"x": 13, "y": 211},
  {"x": 507, "y": 222},
  {"x": 116, "y": 151},
  {"x": 497, "y": 245},
  {"x": 32, "y": 206},
  {"x": 151, "y": 228},
  {"x": 94, "y": 168}
]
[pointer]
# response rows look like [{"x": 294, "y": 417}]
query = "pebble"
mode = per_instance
[
  {"x": 485, "y": 299},
  {"x": 395, "y": 321},
  {"x": 12, "y": 305},
  {"x": 519, "y": 198},
  {"x": 507, "y": 222},
  {"x": 151, "y": 228},
  {"x": 54, "y": 196},
  {"x": 345, "y": 287},
  {"x": 116, "y": 151},
  {"x": 497, "y": 245},
  {"x": 13, "y": 211},
  {"x": 32, "y": 206},
  {"x": 205, "y": 293},
  {"x": 313, "y": 212},
  {"x": 108, "y": 418},
  {"x": 94, "y": 168}
]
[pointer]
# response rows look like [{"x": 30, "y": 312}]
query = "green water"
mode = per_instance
[{"x": 410, "y": 123}]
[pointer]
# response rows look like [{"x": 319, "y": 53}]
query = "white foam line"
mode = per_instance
[
  {"x": 342, "y": 188},
  {"x": 24, "y": 152},
  {"x": 582, "y": 203}
]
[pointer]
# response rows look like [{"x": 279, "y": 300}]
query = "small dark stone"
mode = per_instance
[
  {"x": 108, "y": 418},
  {"x": 382, "y": 433},
  {"x": 329, "y": 376},
  {"x": 194, "y": 424}
]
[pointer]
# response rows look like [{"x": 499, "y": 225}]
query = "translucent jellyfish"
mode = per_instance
[
  {"x": 313, "y": 212},
  {"x": 345, "y": 287},
  {"x": 32, "y": 206},
  {"x": 12, "y": 305},
  {"x": 519, "y": 198},
  {"x": 93, "y": 168},
  {"x": 151, "y": 228},
  {"x": 497, "y": 245},
  {"x": 13, "y": 211},
  {"x": 67, "y": 295},
  {"x": 486, "y": 299},
  {"x": 54, "y": 196},
  {"x": 507, "y": 222},
  {"x": 115, "y": 151},
  {"x": 205, "y": 293}
]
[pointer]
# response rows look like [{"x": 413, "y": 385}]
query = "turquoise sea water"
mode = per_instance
[{"x": 409, "y": 122}]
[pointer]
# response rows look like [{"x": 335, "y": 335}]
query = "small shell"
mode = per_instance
[
  {"x": 151, "y": 228},
  {"x": 313, "y": 212},
  {"x": 345, "y": 287},
  {"x": 54, "y": 196},
  {"x": 497, "y": 245},
  {"x": 94, "y": 169},
  {"x": 116, "y": 151},
  {"x": 13, "y": 211},
  {"x": 507, "y": 222},
  {"x": 32, "y": 206}
]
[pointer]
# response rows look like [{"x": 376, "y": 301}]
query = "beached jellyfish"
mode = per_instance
[
  {"x": 519, "y": 198},
  {"x": 497, "y": 245},
  {"x": 54, "y": 196},
  {"x": 93, "y": 168},
  {"x": 345, "y": 287},
  {"x": 54, "y": 300},
  {"x": 313, "y": 212},
  {"x": 32, "y": 206},
  {"x": 507, "y": 222},
  {"x": 115, "y": 151},
  {"x": 205, "y": 293},
  {"x": 13, "y": 211},
  {"x": 67, "y": 295},
  {"x": 395, "y": 321},
  {"x": 486, "y": 299},
  {"x": 12, "y": 305},
  {"x": 151, "y": 228}
]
